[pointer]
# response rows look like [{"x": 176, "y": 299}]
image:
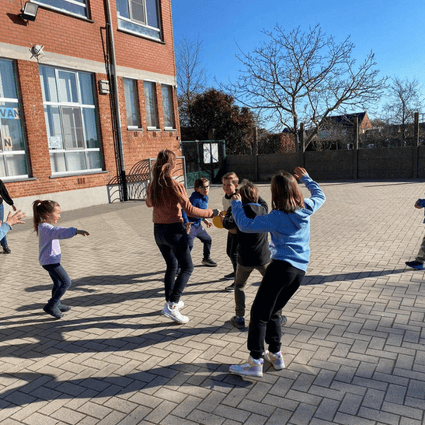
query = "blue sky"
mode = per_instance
[{"x": 394, "y": 30}]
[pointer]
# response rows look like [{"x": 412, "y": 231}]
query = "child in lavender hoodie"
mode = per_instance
[{"x": 47, "y": 213}]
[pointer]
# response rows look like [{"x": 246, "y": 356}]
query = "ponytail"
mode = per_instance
[{"x": 40, "y": 210}]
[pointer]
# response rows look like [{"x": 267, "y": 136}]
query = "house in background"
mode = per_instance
[{"x": 87, "y": 90}]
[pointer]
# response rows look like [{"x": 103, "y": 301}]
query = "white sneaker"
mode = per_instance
[
  {"x": 252, "y": 368},
  {"x": 179, "y": 305},
  {"x": 276, "y": 359},
  {"x": 171, "y": 311}
]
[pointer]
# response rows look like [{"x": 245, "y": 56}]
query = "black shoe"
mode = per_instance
[
  {"x": 230, "y": 288},
  {"x": 208, "y": 262},
  {"x": 283, "y": 320},
  {"x": 238, "y": 322},
  {"x": 6, "y": 249},
  {"x": 230, "y": 276},
  {"x": 64, "y": 308},
  {"x": 53, "y": 311}
]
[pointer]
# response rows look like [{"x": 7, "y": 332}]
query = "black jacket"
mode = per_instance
[
  {"x": 4, "y": 194},
  {"x": 253, "y": 248}
]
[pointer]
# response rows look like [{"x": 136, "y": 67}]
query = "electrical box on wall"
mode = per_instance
[{"x": 104, "y": 87}]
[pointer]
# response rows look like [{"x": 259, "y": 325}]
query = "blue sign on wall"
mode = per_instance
[{"x": 9, "y": 113}]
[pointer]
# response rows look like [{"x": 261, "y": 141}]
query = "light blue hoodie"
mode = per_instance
[
  {"x": 290, "y": 233},
  {"x": 48, "y": 242}
]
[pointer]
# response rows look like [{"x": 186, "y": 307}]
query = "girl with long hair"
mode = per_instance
[
  {"x": 46, "y": 214},
  {"x": 168, "y": 198},
  {"x": 289, "y": 227}
]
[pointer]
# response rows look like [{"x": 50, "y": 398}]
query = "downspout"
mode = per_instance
[{"x": 114, "y": 95}]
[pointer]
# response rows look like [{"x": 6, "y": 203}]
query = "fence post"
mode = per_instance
[
  {"x": 255, "y": 137},
  {"x": 356, "y": 149},
  {"x": 415, "y": 146}
]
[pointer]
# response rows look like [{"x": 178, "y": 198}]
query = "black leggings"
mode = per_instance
[{"x": 279, "y": 284}]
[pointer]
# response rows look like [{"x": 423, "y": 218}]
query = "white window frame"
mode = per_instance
[
  {"x": 4, "y": 154},
  {"x": 76, "y": 3},
  {"x": 136, "y": 26},
  {"x": 155, "y": 105},
  {"x": 170, "y": 100},
  {"x": 134, "y": 104},
  {"x": 78, "y": 105}
]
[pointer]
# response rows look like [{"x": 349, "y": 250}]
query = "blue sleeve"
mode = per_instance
[
  {"x": 4, "y": 228},
  {"x": 258, "y": 224},
  {"x": 317, "y": 198},
  {"x": 185, "y": 218}
]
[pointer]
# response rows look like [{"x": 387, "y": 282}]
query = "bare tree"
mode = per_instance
[
  {"x": 405, "y": 98},
  {"x": 191, "y": 76},
  {"x": 303, "y": 77}
]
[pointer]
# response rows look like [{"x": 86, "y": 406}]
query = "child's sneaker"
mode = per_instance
[
  {"x": 275, "y": 359},
  {"x": 179, "y": 305},
  {"x": 415, "y": 265},
  {"x": 53, "y": 311},
  {"x": 230, "y": 288},
  {"x": 252, "y": 368},
  {"x": 208, "y": 262},
  {"x": 238, "y": 322},
  {"x": 172, "y": 312},
  {"x": 63, "y": 308}
]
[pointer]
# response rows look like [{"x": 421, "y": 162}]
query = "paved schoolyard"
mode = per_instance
[{"x": 354, "y": 341}]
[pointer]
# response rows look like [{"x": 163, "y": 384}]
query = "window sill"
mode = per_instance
[
  {"x": 77, "y": 173},
  {"x": 153, "y": 129},
  {"x": 140, "y": 35},
  {"x": 134, "y": 129},
  {"x": 18, "y": 179},
  {"x": 170, "y": 129}
]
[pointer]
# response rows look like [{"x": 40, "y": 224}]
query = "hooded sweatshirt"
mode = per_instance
[{"x": 290, "y": 232}]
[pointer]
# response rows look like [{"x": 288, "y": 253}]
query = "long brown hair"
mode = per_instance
[
  {"x": 162, "y": 177},
  {"x": 286, "y": 195},
  {"x": 40, "y": 210}
]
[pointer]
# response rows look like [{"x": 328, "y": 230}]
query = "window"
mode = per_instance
[
  {"x": 13, "y": 160},
  {"x": 140, "y": 17},
  {"x": 71, "y": 120},
  {"x": 151, "y": 106},
  {"x": 76, "y": 7},
  {"x": 168, "y": 106},
  {"x": 132, "y": 103}
]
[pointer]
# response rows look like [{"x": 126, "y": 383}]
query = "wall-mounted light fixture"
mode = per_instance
[{"x": 29, "y": 12}]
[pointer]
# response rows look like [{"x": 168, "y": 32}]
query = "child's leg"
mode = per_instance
[
  {"x": 279, "y": 281},
  {"x": 61, "y": 282},
  {"x": 421, "y": 254},
  {"x": 3, "y": 242},
  {"x": 242, "y": 275},
  {"x": 205, "y": 238},
  {"x": 232, "y": 249}
]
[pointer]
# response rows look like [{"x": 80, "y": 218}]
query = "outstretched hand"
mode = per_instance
[
  {"x": 236, "y": 197},
  {"x": 299, "y": 172},
  {"x": 15, "y": 218},
  {"x": 82, "y": 232}
]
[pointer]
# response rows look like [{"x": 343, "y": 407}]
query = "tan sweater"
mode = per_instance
[{"x": 169, "y": 211}]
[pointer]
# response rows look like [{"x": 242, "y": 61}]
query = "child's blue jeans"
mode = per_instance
[
  {"x": 61, "y": 282},
  {"x": 3, "y": 242}
]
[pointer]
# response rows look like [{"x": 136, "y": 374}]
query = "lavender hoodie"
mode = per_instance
[{"x": 48, "y": 243}]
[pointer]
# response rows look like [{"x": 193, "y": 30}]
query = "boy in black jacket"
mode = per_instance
[{"x": 253, "y": 248}]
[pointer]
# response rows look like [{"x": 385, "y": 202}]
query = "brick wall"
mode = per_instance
[{"x": 82, "y": 39}]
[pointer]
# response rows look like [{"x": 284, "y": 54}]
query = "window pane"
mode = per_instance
[
  {"x": 94, "y": 159},
  {"x": 72, "y": 128},
  {"x": 131, "y": 103},
  {"x": 86, "y": 89},
  {"x": 67, "y": 6},
  {"x": 138, "y": 10},
  {"x": 16, "y": 165},
  {"x": 167, "y": 105},
  {"x": 90, "y": 128},
  {"x": 7, "y": 80},
  {"x": 48, "y": 84},
  {"x": 150, "y": 104},
  {"x": 75, "y": 161},
  {"x": 53, "y": 124},
  {"x": 152, "y": 7},
  {"x": 67, "y": 86},
  {"x": 57, "y": 162},
  {"x": 122, "y": 8},
  {"x": 11, "y": 135}
]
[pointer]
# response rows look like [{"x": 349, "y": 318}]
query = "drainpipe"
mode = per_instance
[{"x": 114, "y": 94}]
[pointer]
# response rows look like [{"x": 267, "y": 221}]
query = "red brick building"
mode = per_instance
[{"x": 57, "y": 110}]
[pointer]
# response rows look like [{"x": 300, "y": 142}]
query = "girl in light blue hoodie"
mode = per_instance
[
  {"x": 289, "y": 227},
  {"x": 47, "y": 213}
]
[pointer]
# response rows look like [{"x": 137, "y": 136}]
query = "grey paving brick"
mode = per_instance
[{"x": 327, "y": 409}]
